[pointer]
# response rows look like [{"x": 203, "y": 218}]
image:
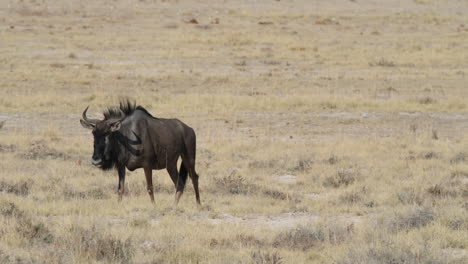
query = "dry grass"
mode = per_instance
[{"x": 325, "y": 133}]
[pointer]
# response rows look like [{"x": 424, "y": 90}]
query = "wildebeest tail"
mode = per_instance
[{"x": 182, "y": 176}]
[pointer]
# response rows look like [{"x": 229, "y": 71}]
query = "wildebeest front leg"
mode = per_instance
[
  {"x": 121, "y": 187},
  {"x": 149, "y": 183}
]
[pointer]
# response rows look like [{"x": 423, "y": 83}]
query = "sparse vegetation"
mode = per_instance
[
  {"x": 383, "y": 63},
  {"x": 19, "y": 188},
  {"x": 33, "y": 231},
  {"x": 351, "y": 197},
  {"x": 95, "y": 246},
  {"x": 343, "y": 177},
  {"x": 390, "y": 250},
  {"x": 234, "y": 184},
  {"x": 259, "y": 257},
  {"x": 459, "y": 158},
  {"x": 325, "y": 134},
  {"x": 410, "y": 196},
  {"x": 40, "y": 150},
  {"x": 412, "y": 217},
  {"x": 427, "y": 100},
  {"x": 305, "y": 237},
  {"x": 8, "y": 208}
]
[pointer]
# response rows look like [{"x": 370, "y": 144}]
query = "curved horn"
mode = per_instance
[{"x": 87, "y": 120}]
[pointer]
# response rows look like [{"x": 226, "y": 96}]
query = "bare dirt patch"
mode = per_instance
[
  {"x": 281, "y": 221},
  {"x": 288, "y": 179}
]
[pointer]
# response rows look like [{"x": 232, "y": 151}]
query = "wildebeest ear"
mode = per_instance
[
  {"x": 115, "y": 126},
  {"x": 86, "y": 124}
]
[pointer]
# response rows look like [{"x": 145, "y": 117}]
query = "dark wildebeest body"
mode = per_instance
[{"x": 130, "y": 137}]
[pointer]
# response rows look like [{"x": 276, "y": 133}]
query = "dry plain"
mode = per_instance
[{"x": 328, "y": 131}]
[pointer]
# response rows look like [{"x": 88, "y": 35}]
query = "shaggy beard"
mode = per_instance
[
  {"x": 111, "y": 154},
  {"x": 107, "y": 165}
]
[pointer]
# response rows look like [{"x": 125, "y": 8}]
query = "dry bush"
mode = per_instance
[
  {"x": 57, "y": 65},
  {"x": 351, "y": 197},
  {"x": 95, "y": 193},
  {"x": 305, "y": 237},
  {"x": 263, "y": 164},
  {"x": 140, "y": 222},
  {"x": 429, "y": 155},
  {"x": 458, "y": 222},
  {"x": 259, "y": 257},
  {"x": 234, "y": 184},
  {"x": 332, "y": 160},
  {"x": 274, "y": 193},
  {"x": 382, "y": 62},
  {"x": 7, "y": 148},
  {"x": 240, "y": 240},
  {"x": 327, "y": 21},
  {"x": 371, "y": 204},
  {"x": 33, "y": 231},
  {"x": 221, "y": 243},
  {"x": 447, "y": 188},
  {"x": 409, "y": 196},
  {"x": 413, "y": 217},
  {"x": 427, "y": 100},
  {"x": 459, "y": 174},
  {"x": 301, "y": 238},
  {"x": 411, "y": 156},
  {"x": 459, "y": 158},
  {"x": 6, "y": 257},
  {"x": 9, "y": 209},
  {"x": 19, "y": 188},
  {"x": 249, "y": 241},
  {"x": 93, "y": 245},
  {"x": 389, "y": 251},
  {"x": 341, "y": 178},
  {"x": 328, "y": 105},
  {"x": 303, "y": 165}
]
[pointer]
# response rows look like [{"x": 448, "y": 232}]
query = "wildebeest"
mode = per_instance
[{"x": 130, "y": 137}]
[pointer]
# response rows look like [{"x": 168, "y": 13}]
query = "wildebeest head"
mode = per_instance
[{"x": 104, "y": 151}]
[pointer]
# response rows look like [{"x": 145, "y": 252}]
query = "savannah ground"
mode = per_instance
[{"x": 328, "y": 131}]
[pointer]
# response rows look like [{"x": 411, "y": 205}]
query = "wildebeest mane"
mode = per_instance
[
  {"x": 144, "y": 110},
  {"x": 125, "y": 108}
]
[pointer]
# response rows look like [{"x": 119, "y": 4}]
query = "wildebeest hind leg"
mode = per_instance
[
  {"x": 190, "y": 163},
  {"x": 194, "y": 177}
]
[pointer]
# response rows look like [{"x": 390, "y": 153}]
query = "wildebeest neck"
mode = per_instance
[{"x": 128, "y": 143}]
